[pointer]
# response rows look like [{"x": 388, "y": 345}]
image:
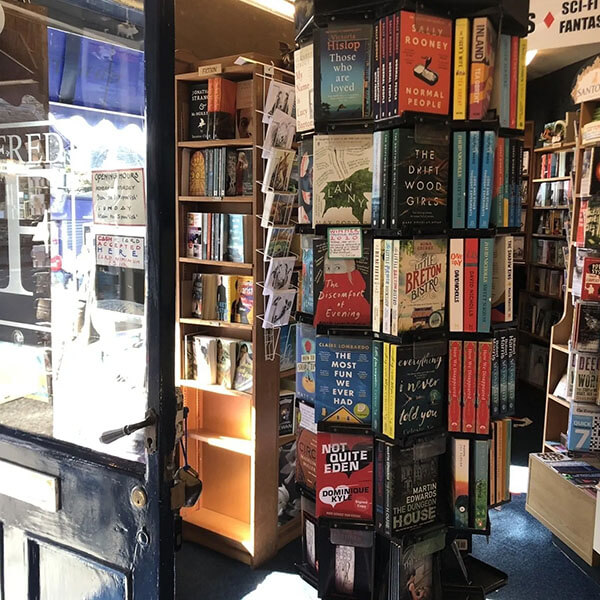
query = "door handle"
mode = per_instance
[{"x": 112, "y": 435}]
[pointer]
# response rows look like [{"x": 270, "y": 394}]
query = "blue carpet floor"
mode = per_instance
[{"x": 519, "y": 545}]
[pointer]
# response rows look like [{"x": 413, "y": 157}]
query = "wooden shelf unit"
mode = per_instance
[{"x": 233, "y": 439}]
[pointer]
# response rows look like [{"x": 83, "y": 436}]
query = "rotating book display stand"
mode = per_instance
[{"x": 376, "y": 453}]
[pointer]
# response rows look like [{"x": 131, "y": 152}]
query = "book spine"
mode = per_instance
[
  {"x": 380, "y": 479},
  {"x": 522, "y": 83},
  {"x": 516, "y": 220},
  {"x": 459, "y": 180},
  {"x": 460, "y": 482},
  {"x": 508, "y": 279},
  {"x": 455, "y": 385},
  {"x": 396, "y": 66},
  {"x": 469, "y": 386},
  {"x": 481, "y": 62},
  {"x": 389, "y": 93},
  {"x": 504, "y": 81},
  {"x": 377, "y": 244},
  {"x": 387, "y": 285},
  {"x": 383, "y": 75},
  {"x": 210, "y": 116},
  {"x": 487, "y": 172},
  {"x": 461, "y": 69},
  {"x": 506, "y": 190},
  {"x": 376, "y": 386},
  {"x": 495, "y": 382},
  {"x": 484, "y": 296},
  {"x": 503, "y": 373},
  {"x": 385, "y": 180},
  {"x": 392, "y": 374},
  {"x": 394, "y": 182},
  {"x": 387, "y": 423},
  {"x": 498, "y": 191},
  {"x": 484, "y": 386},
  {"x": 473, "y": 191},
  {"x": 512, "y": 372},
  {"x": 395, "y": 285},
  {"x": 514, "y": 80},
  {"x": 513, "y": 191},
  {"x": 470, "y": 279},
  {"x": 457, "y": 258},
  {"x": 377, "y": 179},
  {"x": 480, "y": 469},
  {"x": 377, "y": 70},
  {"x": 388, "y": 490}
]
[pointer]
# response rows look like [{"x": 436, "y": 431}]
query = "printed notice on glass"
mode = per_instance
[
  {"x": 344, "y": 242},
  {"x": 119, "y": 197},
  {"x": 120, "y": 251}
]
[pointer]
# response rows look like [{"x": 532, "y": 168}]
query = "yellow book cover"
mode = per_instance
[
  {"x": 522, "y": 84},
  {"x": 461, "y": 68},
  {"x": 242, "y": 310},
  {"x": 386, "y": 389},
  {"x": 393, "y": 361}
]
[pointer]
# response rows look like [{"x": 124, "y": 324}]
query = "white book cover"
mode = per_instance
[
  {"x": 376, "y": 323},
  {"x": 395, "y": 284},
  {"x": 387, "y": 286},
  {"x": 305, "y": 100},
  {"x": 585, "y": 387},
  {"x": 456, "y": 275},
  {"x": 205, "y": 359}
]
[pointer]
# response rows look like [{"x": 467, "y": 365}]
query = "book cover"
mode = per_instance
[
  {"x": 456, "y": 295},
  {"x": 424, "y": 81},
  {"x": 469, "y": 386},
  {"x": 242, "y": 380},
  {"x": 386, "y": 171},
  {"x": 592, "y": 220},
  {"x": 455, "y": 378},
  {"x": 197, "y": 178},
  {"x": 306, "y": 444},
  {"x": 344, "y": 380},
  {"x": 460, "y": 482},
  {"x": 394, "y": 179},
  {"x": 395, "y": 285},
  {"x": 422, "y": 284},
  {"x": 377, "y": 387},
  {"x": 483, "y": 44},
  {"x": 462, "y": 33},
  {"x": 305, "y": 182},
  {"x": 345, "y": 57},
  {"x": 459, "y": 179},
  {"x": 242, "y": 309},
  {"x": 388, "y": 252},
  {"x": 583, "y": 433},
  {"x": 473, "y": 179},
  {"x": 514, "y": 80},
  {"x": 226, "y": 361},
  {"x": 422, "y": 183},
  {"x": 590, "y": 284},
  {"x": 197, "y": 294},
  {"x": 223, "y": 113},
  {"x": 189, "y": 364},
  {"x": 377, "y": 70},
  {"x": 484, "y": 386},
  {"x": 495, "y": 393},
  {"x": 226, "y": 296},
  {"x": 484, "y": 293},
  {"x": 512, "y": 371},
  {"x": 289, "y": 499},
  {"x": 389, "y": 59},
  {"x": 522, "y": 83},
  {"x": 503, "y": 372},
  {"x": 585, "y": 387},
  {"x": 344, "y": 476},
  {"x": 341, "y": 287},
  {"x": 481, "y": 450},
  {"x": 198, "y": 123},
  {"x": 587, "y": 327},
  {"x": 279, "y": 240},
  {"x": 194, "y": 242},
  {"x": 278, "y": 170},
  {"x": 502, "y": 280},
  {"x": 383, "y": 76},
  {"x": 378, "y": 258},
  {"x": 205, "y": 359},
  {"x": 244, "y": 180},
  {"x": 343, "y": 179},
  {"x": 471, "y": 276},
  {"x": 244, "y": 115},
  {"x": 231, "y": 160},
  {"x": 487, "y": 174},
  {"x": 307, "y": 298},
  {"x": 377, "y": 179},
  {"x": 500, "y": 101},
  {"x": 306, "y": 358},
  {"x": 304, "y": 87}
]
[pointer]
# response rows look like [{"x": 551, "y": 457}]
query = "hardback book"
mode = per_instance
[
  {"x": 306, "y": 444},
  {"x": 422, "y": 183},
  {"x": 304, "y": 87},
  {"x": 305, "y": 182},
  {"x": 500, "y": 100},
  {"x": 244, "y": 115},
  {"x": 583, "y": 433},
  {"x": 455, "y": 377},
  {"x": 460, "y": 482},
  {"x": 341, "y": 287},
  {"x": 484, "y": 387},
  {"x": 459, "y": 178},
  {"x": 287, "y": 347},
  {"x": 344, "y": 476},
  {"x": 278, "y": 170},
  {"x": 279, "y": 240},
  {"x": 343, "y": 179},
  {"x": 487, "y": 175},
  {"x": 242, "y": 380},
  {"x": 422, "y": 284},
  {"x": 198, "y": 123},
  {"x": 585, "y": 388},
  {"x": 471, "y": 287},
  {"x": 306, "y": 358},
  {"x": 480, "y": 494},
  {"x": 197, "y": 177},
  {"x": 592, "y": 218},
  {"x": 462, "y": 33},
  {"x": 483, "y": 44},
  {"x": 244, "y": 181},
  {"x": 484, "y": 290},
  {"x": 424, "y": 78},
  {"x": 456, "y": 277},
  {"x": 502, "y": 280},
  {"x": 205, "y": 359},
  {"x": 226, "y": 361},
  {"x": 242, "y": 309},
  {"x": 417, "y": 386},
  {"x": 586, "y": 327},
  {"x": 345, "y": 58},
  {"x": 590, "y": 284},
  {"x": 469, "y": 386},
  {"x": 221, "y": 107},
  {"x": 277, "y": 209},
  {"x": 473, "y": 178}
]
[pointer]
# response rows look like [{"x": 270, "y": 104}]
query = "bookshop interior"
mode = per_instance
[{"x": 412, "y": 416}]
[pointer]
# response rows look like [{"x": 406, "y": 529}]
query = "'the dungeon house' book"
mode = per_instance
[{"x": 345, "y": 476}]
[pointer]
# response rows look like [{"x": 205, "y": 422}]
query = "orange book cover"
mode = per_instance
[
  {"x": 483, "y": 45},
  {"x": 224, "y": 104},
  {"x": 425, "y": 63}
]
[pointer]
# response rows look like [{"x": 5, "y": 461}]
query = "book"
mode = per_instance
[
  {"x": 231, "y": 171},
  {"x": 483, "y": 44},
  {"x": 205, "y": 359},
  {"x": 242, "y": 380},
  {"x": 592, "y": 219},
  {"x": 189, "y": 364},
  {"x": 456, "y": 277},
  {"x": 495, "y": 379},
  {"x": 378, "y": 258},
  {"x": 462, "y": 32},
  {"x": 586, "y": 327},
  {"x": 590, "y": 283},
  {"x": 279, "y": 240},
  {"x": 304, "y": 88},
  {"x": 460, "y": 482},
  {"x": 204, "y": 296},
  {"x": 198, "y": 123},
  {"x": 305, "y": 183},
  {"x": 341, "y": 287},
  {"x": 278, "y": 170},
  {"x": 345, "y": 59},
  {"x": 287, "y": 347},
  {"x": 395, "y": 285},
  {"x": 514, "y": 80},
  {"x": 585, "y": 388},
  {"x": 455, "y": 377},
  {"x": 459, "y": 179},
  {"x": 487, "y": 174},
  {"x": 471, "y": 276},
  {"x": 242, "y": 308},
  {"x": 583, "y": 434},
  {"x": 307, "y": 292},
  {"x": 484, "y": 291},
  {"x": 504, "y": 371},
  {"x": 306, "y": 358},
  {"x": 473, "y": 178},
  {"x": 502, "y": 280},
  {"x": 343, "y": 179},
  {"x": 500, "y": 100},
  {"x": 522, "y": 83},
  {"x": 344, "y": 476},
  {"x": 221, "y": 108},
  {"x": 226, "y": 361},
  {"x": 469, "y": 386},
  {"x": 226, "y": 295},
  {"x": 388, "y": 251},
  {"x": 244, "y": 181},
  {"x": 237, "y": 240},
  {"x": 244, "y": 114},
  {"x": 484, "y": 386},
  {"x": 376, "y": 194},
  {"x": 386, "y": 170},
  {"x": 197, "y": 174},
  {"x": 345, "y": 393},
  {"x": 306, "y": 441},
  {"x": 394, "y": 196},
  {"x": 480, "y": 494},
  {"x": 422, "y": 284},
  {"x": 512, "y": 371}
]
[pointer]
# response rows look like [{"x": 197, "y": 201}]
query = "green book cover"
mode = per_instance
[{"x": 480, "y": 491}]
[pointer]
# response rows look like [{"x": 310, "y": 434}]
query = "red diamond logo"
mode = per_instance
[{"x": 548, "y": 20}]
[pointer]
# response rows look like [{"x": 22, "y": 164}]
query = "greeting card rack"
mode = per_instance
[{"x": 233, "y": 439}]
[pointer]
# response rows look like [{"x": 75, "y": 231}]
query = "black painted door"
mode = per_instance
[{"x": 86, "y": 300}]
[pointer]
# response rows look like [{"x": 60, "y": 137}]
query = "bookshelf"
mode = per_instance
[{"x": 233, "y": 439}]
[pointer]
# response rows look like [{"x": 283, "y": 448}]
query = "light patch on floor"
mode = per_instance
[
  {"x": 519, "y": 477},
  {"x": 273, "y": 584}
]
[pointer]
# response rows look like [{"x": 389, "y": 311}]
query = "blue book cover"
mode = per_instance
[
  {"x": 376, "y": 399},
  {"x": 459, "y": 181},
  {"x": 307, "y": 299},
  {"x": 305, "y": 361},
  {"x": 344, "y": 380},
  {"x": 473, "y": 191},
  {"x": 501, "y": 93},
  {"x": 484, "y": 292},
  {"x": 287, "y": 347},
  {"x": 377, "y": 171},
  {"x": 487, "y": 178},
  {"x": 495, "y": 401},
  {"x": 235, "y": 239}
]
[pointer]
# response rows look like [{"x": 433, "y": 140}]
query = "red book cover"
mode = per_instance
[
  {"x": 469, "y": 386},
  {"x": 225, "y": 93},
  {"x": 470, "y": 279},
  {"x": 514, "y": 79},
  {"x": 344, "y": 476},
  {"x": 389, "y": 92},
  {"x": 383, "y": 66},
  {"x": 580, "y": 239},
  {"x": 590, "y": 285},
  {"x": 454, "y": 385},
  {"x": 425, "y": 63},
  {"x": 484, "y": 387},
  {"x": 396, "y": 66}
]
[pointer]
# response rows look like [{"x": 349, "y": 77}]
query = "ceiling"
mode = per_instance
[{"x": 552, "y": 59}]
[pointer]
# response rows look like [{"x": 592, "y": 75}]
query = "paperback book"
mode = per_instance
[
  {"x": 306, "y": 358},
  {"x": 305, "y": 183}
]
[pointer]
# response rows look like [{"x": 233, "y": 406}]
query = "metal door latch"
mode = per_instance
[{"x": 108, "y": 437}]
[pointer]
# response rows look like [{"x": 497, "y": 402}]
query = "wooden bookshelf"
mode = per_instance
[{"x": 233, "y": 439}]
